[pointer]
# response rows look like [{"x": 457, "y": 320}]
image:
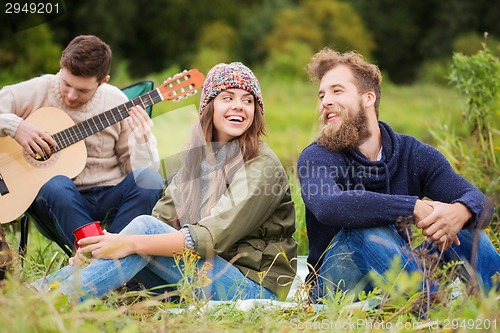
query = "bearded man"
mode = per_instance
[{"x": 363, "y": 185}]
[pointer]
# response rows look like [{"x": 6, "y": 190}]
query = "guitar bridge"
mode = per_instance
[{"x": 3, "y": 187}]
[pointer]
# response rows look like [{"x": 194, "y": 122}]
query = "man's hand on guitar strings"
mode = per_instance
[
  {"x": 140, "y": 123},
  {"x": 34, "y": 140}
]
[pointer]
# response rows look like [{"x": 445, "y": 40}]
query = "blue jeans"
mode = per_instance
[
  {"x": 102, "y": 276},
  {"x": 355, "y": 252},
  {"x": 61, "y": 205}
]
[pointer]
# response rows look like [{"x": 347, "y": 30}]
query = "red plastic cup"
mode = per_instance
[{"x": 90, "y": 229}]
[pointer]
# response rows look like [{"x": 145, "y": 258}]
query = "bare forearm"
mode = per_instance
[{"x": 158, "y": 245}]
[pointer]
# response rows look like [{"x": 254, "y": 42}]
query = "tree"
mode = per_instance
[
  {"x": 255, "y": 26},
  {"x": 409, "y": 33},
  {"x": 216, "y": 43},
  {"x": 316, "y": 24},
  {"x": 152, "y": 35},
  {"x": 321, "y": 23},
  {"x": 28, "y": 53}
]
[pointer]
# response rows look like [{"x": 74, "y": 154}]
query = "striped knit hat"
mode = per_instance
[{"x": 226, "y": 76}]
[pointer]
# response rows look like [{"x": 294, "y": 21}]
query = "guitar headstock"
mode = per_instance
[{"x": 182, "y": 85}]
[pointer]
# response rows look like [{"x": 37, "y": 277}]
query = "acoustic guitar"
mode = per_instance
[{"x": 22, "y": 176}]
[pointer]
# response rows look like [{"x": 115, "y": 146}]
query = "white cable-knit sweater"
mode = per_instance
[{"x": 111, "y": 153}]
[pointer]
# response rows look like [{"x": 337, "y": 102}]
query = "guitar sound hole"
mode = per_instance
[
  {"x": 43, "y": 157},
  {"x": 40, "y": 161}
]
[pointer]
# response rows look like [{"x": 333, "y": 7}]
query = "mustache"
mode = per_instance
[{"x": 335, "y": 109}]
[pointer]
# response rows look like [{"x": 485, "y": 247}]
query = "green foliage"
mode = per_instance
[
  {"x": 300, "y": 234},
  {"x": 151, "y": 36},
  {"x": 410, "y": 33},
  {"x": 218, "y": 36},
  {"x": 193, "y": 279},
  {"x": 400, "y": 35},
  {"x": 216, "y": 44},
  {"x": 256, "y": 24},
  {"x": 434, "y": 72},
  {"x": 322, "y": 23},
  {"x": 290, "y": 62},
  {"x": 472, "y": 148},
  {"x": 206, "y": 58},
  {"x": 396, "y": 283},
  {"x": 471, "y": 43},
  {"x": 28, "y": 53},
  {"x": 319, "y": 24},
  {"x": 476, "y": 79}
]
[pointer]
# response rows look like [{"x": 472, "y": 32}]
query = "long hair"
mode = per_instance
[{"x": 200, "y": 149}]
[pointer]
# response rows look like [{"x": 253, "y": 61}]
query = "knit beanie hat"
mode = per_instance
[{"x": 226, "y": 76}]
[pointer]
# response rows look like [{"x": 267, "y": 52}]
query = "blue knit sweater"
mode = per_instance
[{"x": 345, "y": 189}]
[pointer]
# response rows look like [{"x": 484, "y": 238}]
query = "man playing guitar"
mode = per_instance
[{"x": 119, "y": 180}]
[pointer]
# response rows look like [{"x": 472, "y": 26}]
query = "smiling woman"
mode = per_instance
[{"x": 234, "y": 113}]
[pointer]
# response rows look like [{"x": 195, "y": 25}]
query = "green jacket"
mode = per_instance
[{"x": 251, "y": 225}]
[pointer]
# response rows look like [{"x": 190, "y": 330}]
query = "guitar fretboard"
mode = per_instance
[{"x": 97, "y": 123}]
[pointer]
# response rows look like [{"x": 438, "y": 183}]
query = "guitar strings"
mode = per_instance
[
  {"x": 65, "y": 138},
  {"x": 97, "y": 123}
]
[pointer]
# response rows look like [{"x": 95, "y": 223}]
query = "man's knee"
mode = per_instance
[
  {"x": 384, "y": 237},
  {"x": 148, "y": 179},
  {"x": 57, "y": 184}
]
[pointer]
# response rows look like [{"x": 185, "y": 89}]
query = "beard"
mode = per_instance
[{"x": 350, "y": 135}]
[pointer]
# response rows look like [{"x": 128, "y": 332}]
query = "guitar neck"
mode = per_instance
[{"x": 97, "y": 123}]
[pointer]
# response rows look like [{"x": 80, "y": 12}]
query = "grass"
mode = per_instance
[
  {"x": 400, "y": 309},
  {"x": 291, "y": 118}
]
